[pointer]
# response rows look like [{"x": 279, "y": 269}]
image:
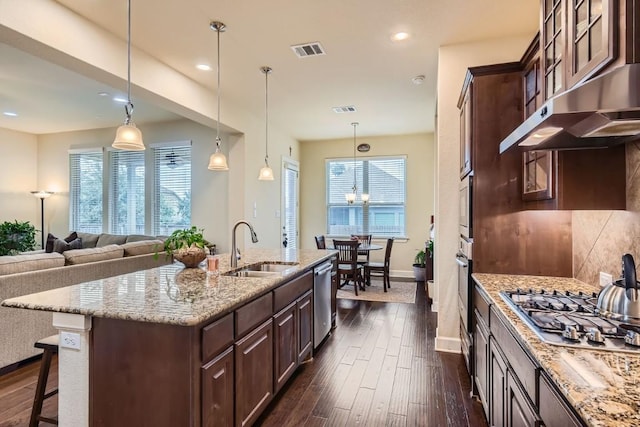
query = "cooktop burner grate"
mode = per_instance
[{"x": 570, "y": 319}]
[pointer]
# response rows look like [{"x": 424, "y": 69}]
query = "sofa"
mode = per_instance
[{"x": 101, "y": 255}]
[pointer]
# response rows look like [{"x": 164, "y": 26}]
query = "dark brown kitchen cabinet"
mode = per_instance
[
  {"x": 577, "y": 39},
  {"x": 254, "y": 373},
  {"x": 481, "y": 359},
  {"x": 334, "y": 293},
  {"x": 553, "y": 410},
  {"x": 591, "y": 37},
  {"x": 285, "y": 334},
  {"x": 497, "y": 386},
  {"x": 466, "y": 132},
  {"x": 304, "y": 306},
  {"x": 217, "y": 391},
  {"x": 532, "y": 77},
  {"x": 519, "y": 412}
]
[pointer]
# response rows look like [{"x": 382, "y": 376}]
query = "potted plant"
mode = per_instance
[
  {"x": 17, "y": 237},
  {"x": 419, "y": 266},
  {"x": 187, "y": 246}
]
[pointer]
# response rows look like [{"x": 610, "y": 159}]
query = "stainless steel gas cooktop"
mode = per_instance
[{"x": 570, "y": 319}]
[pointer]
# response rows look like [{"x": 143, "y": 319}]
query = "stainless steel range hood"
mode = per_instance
[{"x": 600, "y": 112}]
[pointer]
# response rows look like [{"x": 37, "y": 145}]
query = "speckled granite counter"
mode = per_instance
[
  {"x": 170, "y": 294},
  {"x": 603, "y": 387}
]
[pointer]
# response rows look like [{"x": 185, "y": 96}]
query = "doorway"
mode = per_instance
[{"x": 290, "y": 196}]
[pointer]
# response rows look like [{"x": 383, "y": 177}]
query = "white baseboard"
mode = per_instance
[
  {"x": 448, "y": 344},
  {"x": 401, "y": 274}
]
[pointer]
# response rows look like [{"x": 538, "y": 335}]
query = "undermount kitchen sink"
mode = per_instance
[{"x": 263, "y": 269}]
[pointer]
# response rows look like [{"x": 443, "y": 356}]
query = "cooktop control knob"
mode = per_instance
[
  {"x": 594, "y": 335},
  {"x": 632, "y": 338},
  {"x": 571, "y": 333}
]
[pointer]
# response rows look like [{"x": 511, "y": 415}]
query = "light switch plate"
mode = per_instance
[
  {"x": 605, "y": 279},
  {"x": 70, "y": 340}
]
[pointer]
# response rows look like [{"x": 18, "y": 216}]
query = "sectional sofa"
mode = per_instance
[{"x": 101, "y": 255}]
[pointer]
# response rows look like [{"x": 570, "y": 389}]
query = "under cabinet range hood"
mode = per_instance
[{"x": 598, "y": 113}]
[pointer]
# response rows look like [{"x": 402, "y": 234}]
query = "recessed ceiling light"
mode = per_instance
[
  {"x": 203, "y": 67},
  {"x": 400, "y": 36},
  {"x": 10, "y": 114},
  {"x": 120, "y": 99},
  {"x": 103, "y": 93}
]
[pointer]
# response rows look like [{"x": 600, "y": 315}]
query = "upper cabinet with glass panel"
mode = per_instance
[{"x": 578, "y": 38}]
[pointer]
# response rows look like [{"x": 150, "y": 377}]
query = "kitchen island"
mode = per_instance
[
  {"x": 601, "y": 387},
  {"x": 173, "y": 346}
]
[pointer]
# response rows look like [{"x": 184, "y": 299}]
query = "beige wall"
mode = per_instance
[
  {"x": 18, "y": 177},
  {"x": 419, "y": 150},
  {"x": 453, "y": 62}
]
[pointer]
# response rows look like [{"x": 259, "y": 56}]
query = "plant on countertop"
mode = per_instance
[
  {"x": 17, "y": 237},
  {"x": 187, "y": 246},
  {"x": 430, "y": 248}
]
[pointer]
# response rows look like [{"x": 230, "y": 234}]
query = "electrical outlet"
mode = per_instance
[
  {"x": 70, "y": 340},
  {"x": 605, "y": 279}
]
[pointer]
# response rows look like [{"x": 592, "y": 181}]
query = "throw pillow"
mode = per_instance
[
  {"x": 60, "y": 245},
  {"x": 51, "y": 238}
]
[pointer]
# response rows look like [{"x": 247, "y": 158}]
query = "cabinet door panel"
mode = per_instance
[
  {"x": 285, "y": 332},
  {"x": 481, "y": 366},
  {"x": 497, "y": 386},
  {"x": 254, "y": 373},
  {"x": 519, "y": 411},
  {"x": 305, "y": 331},
  {"x": 217, "y": 391},
  {"x": 553, "y": 411}
]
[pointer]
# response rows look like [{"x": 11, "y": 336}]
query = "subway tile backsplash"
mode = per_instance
[{"x": 600, "y": 238}]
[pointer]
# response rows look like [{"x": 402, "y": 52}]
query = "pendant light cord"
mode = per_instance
[
  {"x": 354, "y": 124},
  {"x": 266, "y": 71},
  {"x": 128, "y": 109},
  {"x": 218, "y": 91}
]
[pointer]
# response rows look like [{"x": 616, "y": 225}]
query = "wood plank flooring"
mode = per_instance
[{"x": 378, "y": 368}]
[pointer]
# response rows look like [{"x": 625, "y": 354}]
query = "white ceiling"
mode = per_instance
[{"x": 362, "y": 67}]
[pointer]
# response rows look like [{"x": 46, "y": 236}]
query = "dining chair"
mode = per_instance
[
  {"x": 380, "y": 267},
  {"x": 320, "y": 243},
  {"x": 365, "y": 240},
  {"x": 348, "y": 267}
]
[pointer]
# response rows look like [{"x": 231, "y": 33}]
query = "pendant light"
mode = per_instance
[
  {"x": 218, "y": 161},
  {"x": 128, "y": 136},
  {"x": 266, "y": 173},
  {"x": 364, "y": 196},
  {"x": 351, "y": 197}
]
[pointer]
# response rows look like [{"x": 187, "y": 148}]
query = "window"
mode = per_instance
[
  {"x": 383, "y": 179},
  {"x": 85, "y": 190},
  {"x": 153, "y": 198},
  {"x": 126, "y": 192},
  {"x": 172, "y": 189}
]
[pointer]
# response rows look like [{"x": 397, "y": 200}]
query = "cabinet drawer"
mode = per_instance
[
  {"x": 481, "y": 305},
  {"x": 254, "y": 313},
  {"x": 289, "y": 292},
  {"x": 553, "y": 411},
  {"x": 216, "y": 337},
  {"x": 523, "y": 367}
]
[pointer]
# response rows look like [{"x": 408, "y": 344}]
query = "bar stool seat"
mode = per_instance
[{"x": 50, "y": 347}]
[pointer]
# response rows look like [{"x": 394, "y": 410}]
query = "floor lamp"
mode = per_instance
[{"x": 42, "y": 195}]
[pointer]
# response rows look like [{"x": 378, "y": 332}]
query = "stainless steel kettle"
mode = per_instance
[{"x": 620, "y": 300}]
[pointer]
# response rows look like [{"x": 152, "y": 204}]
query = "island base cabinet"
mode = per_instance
[
  {"x": 285, "y": 344},
  {"x": 254, "y": 373},
  {"x": 217, "y": 391},
  {"x": 305, "y": 331}
]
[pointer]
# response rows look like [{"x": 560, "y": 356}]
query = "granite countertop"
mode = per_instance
[
  {"x": 603, "y": 386},
  {"x": 170, "y": 294}
]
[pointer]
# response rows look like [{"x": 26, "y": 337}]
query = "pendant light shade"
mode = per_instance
[
  {"x": 218, "y": 161},
  {"x": 266, "y": 173},
  {"x": 128, "y": 136}
]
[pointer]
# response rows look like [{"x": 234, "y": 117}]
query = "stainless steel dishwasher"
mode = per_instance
[{"x": 321, "y": 302}]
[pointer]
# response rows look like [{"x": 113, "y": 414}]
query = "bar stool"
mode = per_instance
[{"x": 50, "y": 347}]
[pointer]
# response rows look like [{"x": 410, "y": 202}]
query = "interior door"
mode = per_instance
[{"x": 290, "y": 195}]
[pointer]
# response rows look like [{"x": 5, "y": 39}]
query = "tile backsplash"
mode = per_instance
[{"x": 600, "y": 238}]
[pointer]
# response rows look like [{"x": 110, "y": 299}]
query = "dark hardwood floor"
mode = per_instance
[{"x": 378, "y": 368}]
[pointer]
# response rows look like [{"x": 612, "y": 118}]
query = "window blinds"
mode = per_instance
[
  {"x": 85, "y": 191},
  {"x": 172, "y": 189}
]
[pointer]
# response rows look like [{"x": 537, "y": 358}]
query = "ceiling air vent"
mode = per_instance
[
  {"x": 308, "y": 49},
  {"x": 347, "y": 109}
]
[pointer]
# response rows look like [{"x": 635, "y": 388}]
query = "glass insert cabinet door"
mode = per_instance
[{"x": 538, "y": 175}]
